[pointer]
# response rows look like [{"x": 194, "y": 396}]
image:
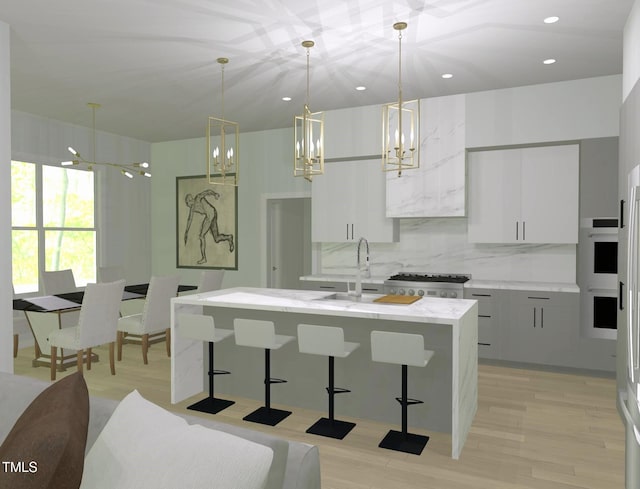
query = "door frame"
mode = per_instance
[{"x": 264, "y": 242}]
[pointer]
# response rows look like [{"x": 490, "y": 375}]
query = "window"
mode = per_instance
[{"x": 53, "y": 225}]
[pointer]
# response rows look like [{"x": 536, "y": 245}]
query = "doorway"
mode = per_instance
[{"x": 288, "y": 241}]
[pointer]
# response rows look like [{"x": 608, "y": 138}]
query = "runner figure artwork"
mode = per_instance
[{"x": 206, "y": 224}]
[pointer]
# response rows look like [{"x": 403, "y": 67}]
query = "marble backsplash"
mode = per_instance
[{"x": 441, "y": 246}]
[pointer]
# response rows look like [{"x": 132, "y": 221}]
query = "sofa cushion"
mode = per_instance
[
  {"x": 145, "y": 446},
  {"x": 45, "y": 448}
]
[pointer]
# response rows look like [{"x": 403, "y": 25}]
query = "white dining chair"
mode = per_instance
[
  {"x": 58, "y": 282},
  {"x": 96, "y": 326},
  {"x": 210, "y": 280},
  {"x": 153, "y": 324}
]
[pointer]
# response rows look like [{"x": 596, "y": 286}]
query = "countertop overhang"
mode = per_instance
[{"x": 425, "y": 310}]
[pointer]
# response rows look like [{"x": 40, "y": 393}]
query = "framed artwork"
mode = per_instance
[{"x": 206, "y": 224}]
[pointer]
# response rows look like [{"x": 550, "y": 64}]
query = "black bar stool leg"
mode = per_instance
[
  {"x": 331, "y": 427},
  {"x": 266, "y": 414},
  {"x": 211, "y": 404},
  {"x": 402, "y": 441}
]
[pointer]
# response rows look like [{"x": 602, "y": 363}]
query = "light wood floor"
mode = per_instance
[{"x": 533, "y": 429}]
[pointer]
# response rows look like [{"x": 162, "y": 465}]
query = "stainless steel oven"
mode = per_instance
[{"x": 598, "y": 277}]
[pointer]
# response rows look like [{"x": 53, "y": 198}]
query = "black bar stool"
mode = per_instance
[
  {"x": 327, "y": 341},
  {"x": 261, "y": 334},
  {"x": 200, "y": 327},
  {"x": 401, "y": 349}
]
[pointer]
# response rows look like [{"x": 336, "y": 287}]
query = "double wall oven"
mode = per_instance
[{"x": 598, "y": 272}]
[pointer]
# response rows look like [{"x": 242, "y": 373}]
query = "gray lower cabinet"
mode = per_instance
[
  {"x": 324, "y": 285},
  {"x": 367, "y": 288},
  {"x": 488, "y": 320},
  {"x": 540, "y": 327}
]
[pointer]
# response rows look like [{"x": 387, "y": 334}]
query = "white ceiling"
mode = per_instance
[{"x": 152, "y": 63}]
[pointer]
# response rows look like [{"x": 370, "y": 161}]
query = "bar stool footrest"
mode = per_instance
[
  {"x": 268, "y": 416},
  {"x": 404, "y": 442},
  {"x": 331, "y": 428},
  {"x": 220, "y": 372},
  {"x": 409, "y": 402},
  {"x": 275, "y": 381},
  {"x": 211, "y": 405},
  {"x": 337, "y": 390}
]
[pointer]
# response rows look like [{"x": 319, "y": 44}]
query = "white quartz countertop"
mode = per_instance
[
  {"x": 514, "y": 285},
  {"x": 473, "y": 283},
  {"x": 327, "y": 277},
  {"x": 425, "y": 310}
]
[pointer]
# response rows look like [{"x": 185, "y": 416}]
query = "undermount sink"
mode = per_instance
[{"x": 347, "y": 297}]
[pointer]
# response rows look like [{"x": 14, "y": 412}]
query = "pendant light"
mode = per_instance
[
  {"x": 223, "y": 148},
  {"x": 127, "y": 169},
  {"x": 308, "y": 136},
  {"x": 401, "y": 121}
]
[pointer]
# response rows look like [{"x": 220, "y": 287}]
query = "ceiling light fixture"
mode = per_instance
[
  {"x": 399, "y": 118},
  {"x": 286, "y": 99},
  {"x": 128, "y": 169},
  {"x": 361, "y": 88},
  {"x": 446, "y": 76},
  {"x": 551, "y": 20},
  {"x": 308, "y": 136},
  {"x": 549, "y": 61},
  {"x": 223, "y": 144}
]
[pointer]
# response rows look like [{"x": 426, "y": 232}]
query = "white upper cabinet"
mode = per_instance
[
  {"x": 524, "y": 195},
  {"x": 437, "y": 187},
  {"x": 353, "y": 132},
  {"x": 347, "y": 203}
]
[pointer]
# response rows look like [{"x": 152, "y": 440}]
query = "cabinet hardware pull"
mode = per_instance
[
  {"x": 517, "y": 230},
  {"x": 347, "y": 231},
  {"x": 483, "y": 316},
  {"x": 537, "y": 297},
  {"x": 542, "y": 317},
  {"x": 484, "y": 344},
  {"x": 352, "y": 232},
  {"x": 620, "y": 296},
  {"x": 480, "y": 295},
  {"x": 524, "y": 230},
  {"x": 621, "y": 213},
  {"x": 534, "y": 317},
  {"x": 327, "y": 287}
]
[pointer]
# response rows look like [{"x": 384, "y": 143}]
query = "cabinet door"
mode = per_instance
[
  {"x": 333, "y": 203},
  {"x": 348, "y": 203},
  {"x": 494, "y": 196},
  {"x": 353, "y": 132},
  {"x": 550, "y": 194},
  {"x": 540, "y": 328}
]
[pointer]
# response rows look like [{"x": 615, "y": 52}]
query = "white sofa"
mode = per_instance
[{"x": 295, "y": 465}]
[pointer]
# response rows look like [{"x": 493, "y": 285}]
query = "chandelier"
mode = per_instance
[
  {"x": 400, "y": 125},
  {"x": 308, "y": 136},
  {"x": 127, "y": 169},
  {"x": 223, "y": 162}
]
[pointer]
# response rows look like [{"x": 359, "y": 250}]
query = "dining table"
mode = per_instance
[{"x": 49, "y": 312}]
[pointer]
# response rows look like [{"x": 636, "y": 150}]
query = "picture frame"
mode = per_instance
[{"x": 206, "y": 224}]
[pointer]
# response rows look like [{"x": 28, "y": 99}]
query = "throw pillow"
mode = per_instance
[
  {"x": 45, "y": 448},
  {"x": 144, "y": 446}
]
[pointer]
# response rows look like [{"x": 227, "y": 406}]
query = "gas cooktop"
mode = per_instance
[{"x": 430, "y": 277}]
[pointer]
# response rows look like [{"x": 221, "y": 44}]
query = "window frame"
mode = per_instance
[{"x": 42, "y": 230}]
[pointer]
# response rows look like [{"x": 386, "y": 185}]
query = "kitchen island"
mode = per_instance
[{"x": 448, "y": 385}]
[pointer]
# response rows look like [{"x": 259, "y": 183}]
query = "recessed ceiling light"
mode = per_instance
[
  {"x": 549, "y": 61},
  {"x": 551, "y": 20},
  {"x": 447, "y": 75},
  {"x": 286, "y": 99},
  {"x": 361, "y": 88}
]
